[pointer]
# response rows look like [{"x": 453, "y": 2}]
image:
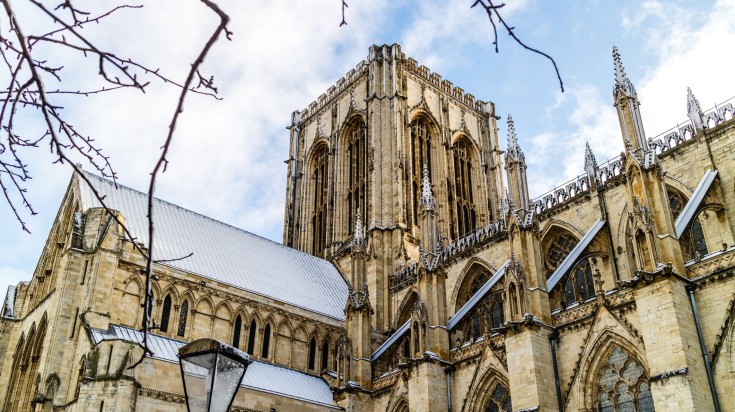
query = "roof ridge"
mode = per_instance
[{"x": 119, "y": 185}]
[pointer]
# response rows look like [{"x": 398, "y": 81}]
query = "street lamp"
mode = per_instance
[{"x": 211, "y": 372}]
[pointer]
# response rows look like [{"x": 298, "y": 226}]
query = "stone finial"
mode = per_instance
[
  {"x": 589, "y": 157},
  {"x": 513, "y": 147},
  {"x": 695, "y": 111},
  {"x": 621, "y": 79},
  {"x": 359, "y": 237},
  {"x": 427, "y": 197}
]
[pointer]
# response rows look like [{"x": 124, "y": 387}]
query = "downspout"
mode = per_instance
[
  {"x": 552, "y": 338},
  {"x": 705, "y": 355},
  {"x": 447, "y": 371}
]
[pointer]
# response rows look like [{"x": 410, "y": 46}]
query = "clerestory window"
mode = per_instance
[
  {"x": 464, "y": 208},
  {"x": 356, "y": 172},
  {"x": 320, "y": 171}
]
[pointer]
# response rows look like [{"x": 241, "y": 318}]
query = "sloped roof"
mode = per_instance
[
  {"x": 259, "y": 376},
  {"x": 477, "y": 297},
  {"x": 225, "y": 253},
  {"x": 9, "y": 304},
  {"x": 574, "y": 255},
  {"x": 391, "y": 341},
  {"x": 690, "y": 209}
]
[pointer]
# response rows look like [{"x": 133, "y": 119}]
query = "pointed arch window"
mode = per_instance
[
  {"x": 676, "y": 203},
  {"x": 644, "y": 253},
  {"x": 312, "y": 354},
  {"x": 266, "y": 341},
  {"x": 182, "y": 318},
  {"x": 579, "y": 284},
  {"x": 698, "y": 241},
  {"x": 165, "y": 313},
  {"x": 356, "y": 171},
  {"x": 251, "y": 337},
  {"x": 622, "y": 385},
  {"x": 499, "y": 400},
  {"x": 464, "y": 208},
  {"x": 488, "y": 314},
  {"x": 320, "y": 180},
  {"x": 420, "y": 156},
  {"x": 236, "y": 332},
  {"x": 557, "y": 251}
]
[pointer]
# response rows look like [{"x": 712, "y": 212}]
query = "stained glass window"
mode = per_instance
[
  {"x": 319, "y": 217},
  {"x": 558, "y": 251},
  {"x": 579, "y": 284},
  {"x": 622, "y": 386},
  {"x": 165, "y": 313},
  {"x": 356, "y": 172},
  {"x": 182, "y": 318},
  {"x": 676, "y": 203},
  {"x": 486, "y": 315},
  {"x": 464, "y": 207},
  {"x": 499, "y": 400}
]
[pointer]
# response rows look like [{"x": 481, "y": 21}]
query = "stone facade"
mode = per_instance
[{"x": 464, "y": 294}]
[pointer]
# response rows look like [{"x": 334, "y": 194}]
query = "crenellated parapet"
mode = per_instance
[{"x": 335, "y": 91}]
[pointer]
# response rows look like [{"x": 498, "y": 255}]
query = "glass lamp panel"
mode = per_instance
[
  {"x": 227, "y": 378},
  {"x": 198, "y": 373}
]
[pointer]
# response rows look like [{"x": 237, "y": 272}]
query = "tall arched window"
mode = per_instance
[
  {"x": 325, "y": 354},
  {"x": 251, "y": 337},
  {"x": 488, "y": 314},
  {"x": 420, "y": 156},
  {"x": 676, "y": 203},
  {"x": 499, "y": 400},
  {"x": 266, "y": 341},
  {"x": 644, "y": 253},
  {"x": 182, "y": 318},
  {"x": 622, "y": 385},
  {"x": 579, "y": 284},
  {"x": 165, "y": 313},
  {"x": 312, "y": 354},
  {"x": 464, "y": 208},
  {"x": 236, "y": 332},
  {"x": 356, "y": 165},
  {"x": 320, "y": 180},
  {"x": 697, "y": 236},
  {"x": 557, "y": 251}
]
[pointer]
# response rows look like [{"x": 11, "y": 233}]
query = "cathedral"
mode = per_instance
[{"x": 416, "y": 272}]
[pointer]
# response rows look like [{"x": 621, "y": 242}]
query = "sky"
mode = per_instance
[{"x": 226, "y": 160}]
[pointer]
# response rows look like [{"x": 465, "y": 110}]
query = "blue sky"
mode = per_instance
[{"x": 227, "y": 157}]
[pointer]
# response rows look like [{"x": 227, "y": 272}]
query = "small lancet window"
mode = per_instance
[
  {"x": 165, "y": 313},
  {"x": 266, "y": 341},
  {"x": 320, "y": 180},
  {"x": 182, "y": 318},
  {"x": 236, "y": 332},
  {"x": 312, "y": 354},
  {"x": 420, "y": 156},
  {"x": 251, "y": 337},
  {"x": 325, "y": 354}
]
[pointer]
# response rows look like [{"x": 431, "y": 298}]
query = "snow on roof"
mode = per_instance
[
  {"x": 477, "y": 297},
  {"x": 391, "y": 341},
  {"x": 225, "y": 253},
  {"x": 259, "y": 376},
  {"x": 9, "y": 304},
  {"x": 572, "y": 257},
  {"x": 690, "y": 209}
]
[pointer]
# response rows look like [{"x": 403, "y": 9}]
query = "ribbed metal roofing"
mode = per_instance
[
  {"x": 690, "y": 209},
  {"x": 391, "y": 341},
  {"x": 225, "y": 253},
  {"x": 259, "y": 376},
  {"x": 572, "y": 257}
]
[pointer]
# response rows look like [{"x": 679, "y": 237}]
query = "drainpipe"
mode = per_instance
[
  {"x": 447, "y": 371},
  {"x": 552, "y": 338},
  {"x": 705, "y": 355}
]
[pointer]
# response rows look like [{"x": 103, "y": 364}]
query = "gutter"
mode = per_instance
[
  {"x": 552, "y": 339},
  {"x": 705, "y": 356}
]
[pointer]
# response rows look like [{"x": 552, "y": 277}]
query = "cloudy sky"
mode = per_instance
[{"x": 227, "y": 157}]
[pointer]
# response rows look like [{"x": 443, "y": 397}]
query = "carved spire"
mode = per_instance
[
  {"x": 358, "y": 240},
  {"x": 621, "y": 79},
  {"x": 695, "y": 111},
  {"x": 514, "y": 149},
  {"x": 629, "y": 114},
  {"x": 515, "y": 167},
  {"x": 590, "y": 166},
  {"x": 427, "y": 197}
]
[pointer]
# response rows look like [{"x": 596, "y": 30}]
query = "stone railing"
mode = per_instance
[{"x": 404, "y": 276}]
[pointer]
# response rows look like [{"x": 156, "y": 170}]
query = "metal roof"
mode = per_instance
[
  {"x": 9, "y": 304},
  {"x": 225, "y": 253},
  {"x": 690, "y": 209},
  {"x": 259, "y": 376},
  {"x": 477, "y": 297},
  {"x": 391, "y": 341},
  {"x": 572, "y": 257}
]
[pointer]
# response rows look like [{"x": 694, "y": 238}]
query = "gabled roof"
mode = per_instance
[
  {"x": 259, "y": 376},
  {"x": 690, "y": 209},
  {"x": 477, "y": 298},
  {"x": 225, "y": 253},
  {"x": 574, "y": 255},
  {"x": 391, "y": 341}
]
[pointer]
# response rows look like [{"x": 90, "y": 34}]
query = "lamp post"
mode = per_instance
[{"x": 211, "y": 372}]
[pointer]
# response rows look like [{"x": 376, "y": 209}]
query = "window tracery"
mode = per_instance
[
  {"x": 559, "y": 249},
  {"x": 487, "y": 315},
  {"x": 579, "y": 285},
  {"x": 464, "y": 208},
  {"x": 499, "y": 400},
  {"x": 320, "y": 171},
  {"x": 165, "y": 313},
  {"x": 644, "y": 253},
  {"x": 676, "y": 203},
  {"x": 420, "y": 156},
  {"x": 356, "y": 171},
  {"x": 622, "y": 385},
  {"x": 182, "y": 318}
]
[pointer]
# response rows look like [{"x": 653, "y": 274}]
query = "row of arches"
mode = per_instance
[
  {"x": 330, "y": 219},
  {"x": 263, "y": 335},
  {"x": 25, "y": 379}
]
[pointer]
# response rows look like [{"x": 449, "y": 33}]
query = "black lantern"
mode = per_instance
[{"x": 211, "y": 372}]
